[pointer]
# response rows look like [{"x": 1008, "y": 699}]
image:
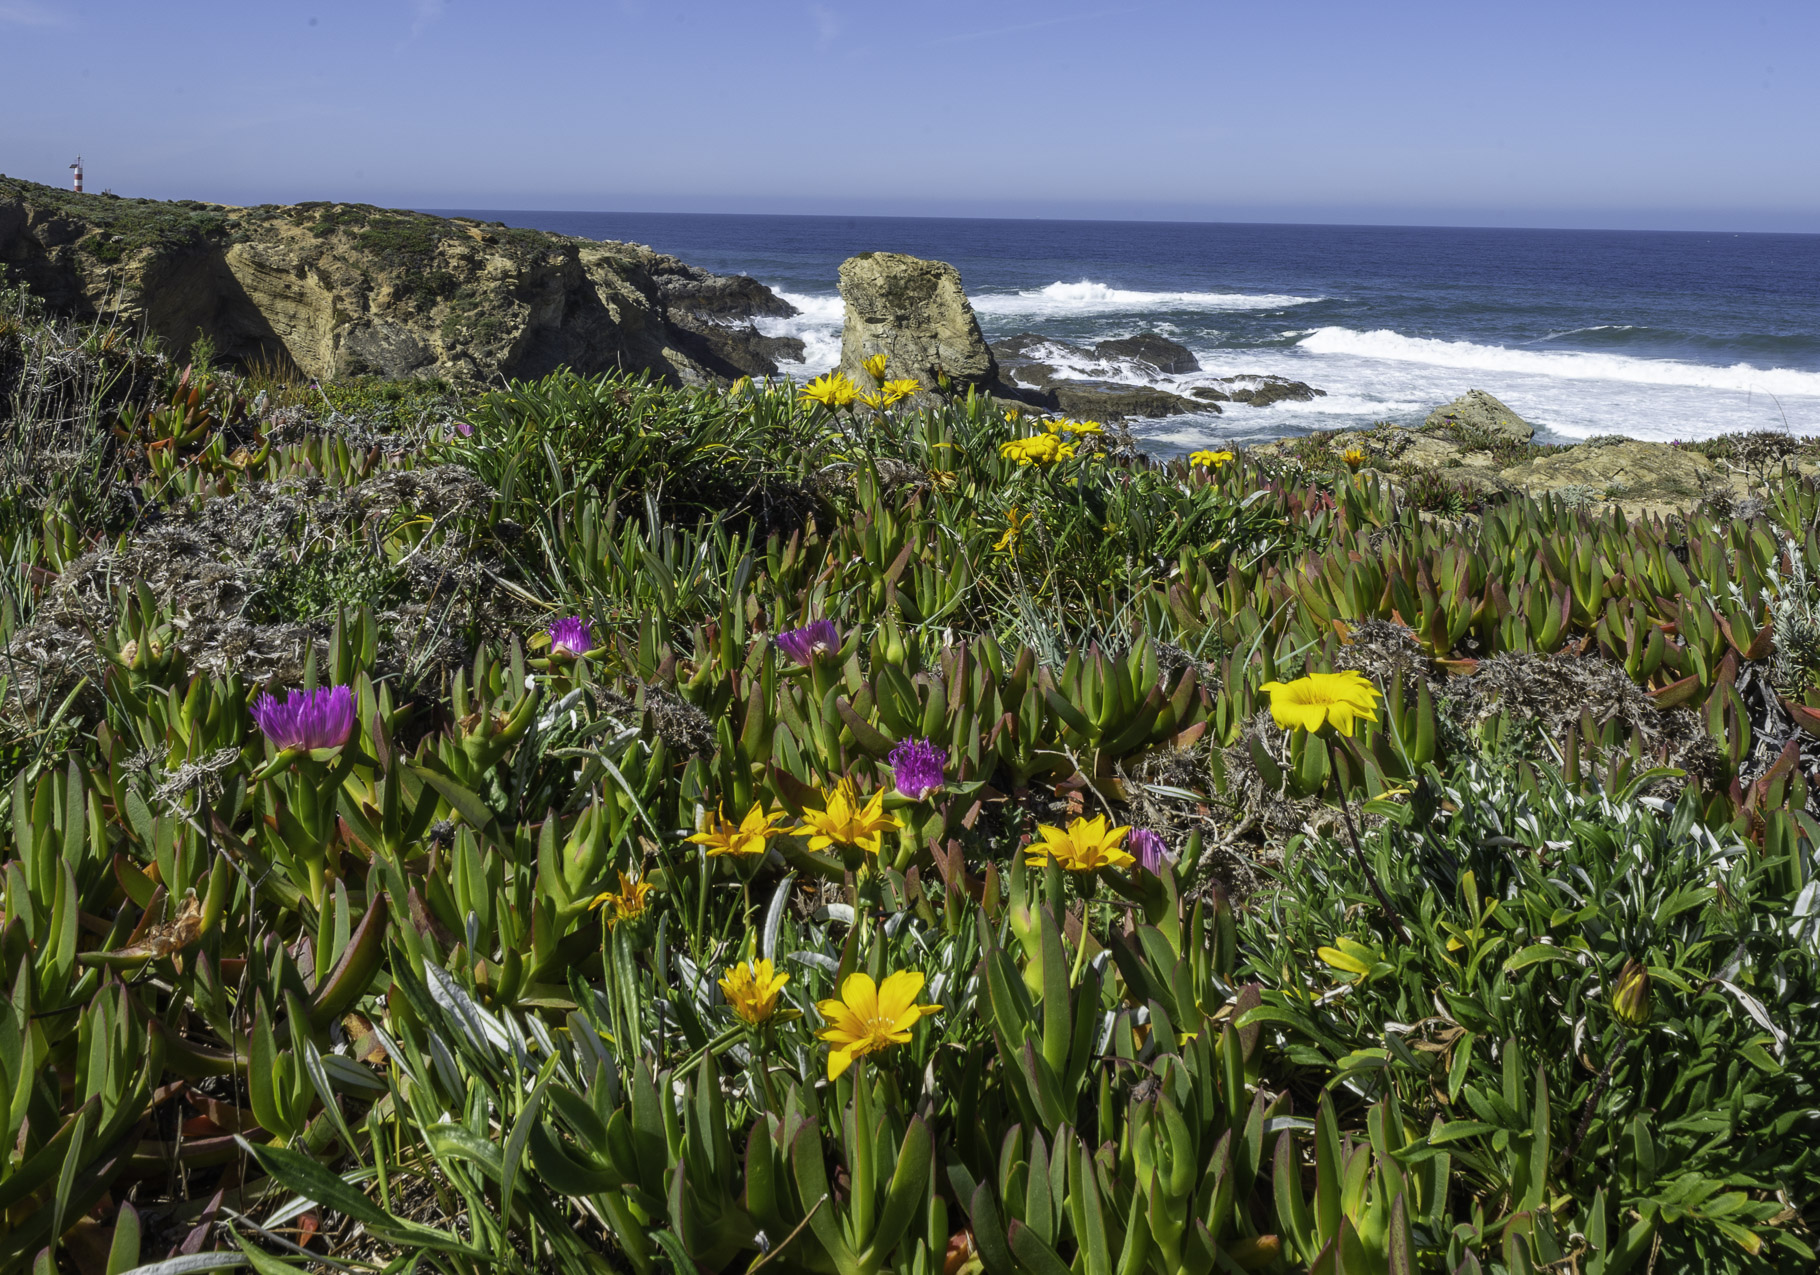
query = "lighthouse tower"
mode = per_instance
[{"x": 76, "y": 168}]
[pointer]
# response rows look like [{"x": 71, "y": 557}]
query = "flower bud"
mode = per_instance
[{"x": 1630, "y": 1001}]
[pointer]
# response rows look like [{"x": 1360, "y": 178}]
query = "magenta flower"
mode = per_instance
[
  {"x": 917, "y": 766},
  {"x": 464, "y": 429},
  {"x": 322, "y": 718},
  {"x": 571, "y": 636},
  {"x": 1151, "y": 850},
  {"x": 818, "y": 637}
]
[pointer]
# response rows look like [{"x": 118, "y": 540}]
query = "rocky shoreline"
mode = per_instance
[{"x": 348, "y": 290}]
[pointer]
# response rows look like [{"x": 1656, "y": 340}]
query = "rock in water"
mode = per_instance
[
  {"x": 349, "y": 289},
  {"x": 1159, "y": 351},
  {"x": 916, "y": 314},
  {"x": 1478, "y": 412}
]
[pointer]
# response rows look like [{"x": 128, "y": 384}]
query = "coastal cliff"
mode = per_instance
[{"x": 350, "y": 290}]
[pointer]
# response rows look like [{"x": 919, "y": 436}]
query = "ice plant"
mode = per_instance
[
  {"x": 875, "y": 367},
  {"x": 572, "y": 636},
  {"x": 1086, "y": 845},
  {"x": 749, "y": 836},
  {"x": 626, "y": 903},
  {"x": 818, "y": 637},
  {"x": 845, "y": 822},
  {"x": 1205, "y": 459},
  {"x": 1151, "y": 850},
  {"x": 869, "y": 1017},
  {"x": 831, "y": 391},
  {"x": 916, "y": 767},
  {"x": 322, "y": 718},
  {"x": 1322, "y": 699},
  {"x": 751, "y": 989}
]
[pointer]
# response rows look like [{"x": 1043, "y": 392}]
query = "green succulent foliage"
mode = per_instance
[{"x": 457, "y": 981}]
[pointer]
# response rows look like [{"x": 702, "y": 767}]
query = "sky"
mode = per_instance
[{"x": 1596, "y": 113}]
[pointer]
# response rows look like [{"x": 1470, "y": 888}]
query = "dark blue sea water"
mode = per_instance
[{"x": 1652, "y": 334}]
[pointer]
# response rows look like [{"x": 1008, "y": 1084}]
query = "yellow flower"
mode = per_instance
[
  {"x": 889, "y": 393},
  {"x": 1074, "y": 427},
  {"x": 1044, "y": 449},
  {"x": 1085, "y": 846},
  {"x": 1320, "y": 699},
  {"x": 831, "y": 391},
  {"x": 627, "y": 903},
  {"x": 868, "y": 1018},
  {"x": 748, "y": 837},
  {"x": 751, "y": 989},
  {"x": 1209, "y": 460},
  {"x": 875, "y": 367},
  {"x": 1354, "y": 457},
  {"x": 1015, "y": 523},
  {"x": 845, "y": 822}
]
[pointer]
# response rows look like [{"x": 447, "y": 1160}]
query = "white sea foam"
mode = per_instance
[
  {"x": 1394, "y": 346},
  {"x": 1089, "y": 298},
  {"x": 818, "y": 323}
]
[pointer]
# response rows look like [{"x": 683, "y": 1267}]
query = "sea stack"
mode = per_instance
[{"x": 917, "y": 315}]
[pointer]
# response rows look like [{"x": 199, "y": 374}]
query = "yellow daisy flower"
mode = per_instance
[
  {"x": 1322, "y": 699},
  {"x": 627, "y": 903},
  {"x": 751, "y": 989},
  {"x": 847, "y": 823},
  {"x": 831, "y": 391},
  {"x": 1209, "y": 460},
  {"x": 1084, "y": 846},
  {"x": 748, "y": 837},
  {"x": 1015, "y": 523},
  {"x": 868, "y": 1017},
  {"x": 875, "y": 367}
]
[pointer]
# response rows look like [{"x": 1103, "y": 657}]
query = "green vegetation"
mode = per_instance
[{"x": 1509, "y": 962}]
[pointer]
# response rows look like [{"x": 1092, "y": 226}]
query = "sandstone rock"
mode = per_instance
[
  {"x": 917, "y": 315},
  {"x": 1476, "y": 412},
  {"x": 1149, "y": 347},
  {"x": 1638, "y": 475},
  {"x": 349, "y": 289}
]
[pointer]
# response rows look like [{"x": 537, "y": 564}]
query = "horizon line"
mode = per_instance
[{"x": 450, "y": 211}]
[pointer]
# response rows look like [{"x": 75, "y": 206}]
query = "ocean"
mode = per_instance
[{"x": 1656, "y": 335}]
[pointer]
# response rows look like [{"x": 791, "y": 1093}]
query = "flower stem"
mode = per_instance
[{"x": 1371, "y": 875}]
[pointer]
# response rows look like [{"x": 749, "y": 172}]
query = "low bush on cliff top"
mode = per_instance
[{"x": 704, "y": 831}]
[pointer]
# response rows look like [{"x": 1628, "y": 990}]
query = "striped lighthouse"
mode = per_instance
[{"x": 76, "y": 168}]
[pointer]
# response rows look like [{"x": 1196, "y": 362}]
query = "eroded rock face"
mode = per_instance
[
  {"x": 348, "y": 289},
  {"x": 917, "y": 315},
  {"x": 1478, "y": 411}
]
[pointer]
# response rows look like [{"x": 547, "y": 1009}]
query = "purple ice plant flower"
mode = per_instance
[
  {"x": 917, "y": 766},
  {"x": 464, "y": 429},
  {"x": 571, "y": 636},
  {"x": 1151, "y": 850},
  {"x": 322, "y": 718},
  {"x": 818, "y": 637}
]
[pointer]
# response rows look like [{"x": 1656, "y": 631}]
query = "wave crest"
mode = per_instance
[
  {"x": 1384, "y": 344},
  {"x": 1088, "y": 297}
]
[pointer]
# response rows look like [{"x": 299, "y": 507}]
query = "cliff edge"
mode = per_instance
[{"x": 350, "y": 289}]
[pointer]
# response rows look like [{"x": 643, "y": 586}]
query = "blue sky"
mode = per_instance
[{"x": 1593, "y": 113}]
